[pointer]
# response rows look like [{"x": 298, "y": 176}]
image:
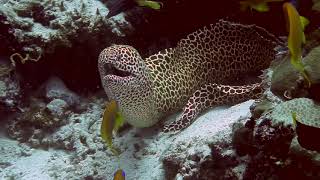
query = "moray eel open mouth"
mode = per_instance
[{"x": 116, "y": 72}]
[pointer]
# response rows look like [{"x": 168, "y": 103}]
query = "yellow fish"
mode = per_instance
[
  {"x": 258, "y": 5},
  {"x": 111, "y": 122},
  {"x": 150, "y": 4},
  {"x": 295, "y": 26},
  {"x": 119, "y": 175}
]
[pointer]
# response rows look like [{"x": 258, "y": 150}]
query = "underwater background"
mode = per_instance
[{"x": 163, "y": 89}]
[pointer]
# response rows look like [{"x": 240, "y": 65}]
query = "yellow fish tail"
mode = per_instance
[
  {"x": 300, "y": 67},
  {"x": 306, "y": 77},
  {"x": 304, "y": 23},
  {"x": 115, "y": 151}
]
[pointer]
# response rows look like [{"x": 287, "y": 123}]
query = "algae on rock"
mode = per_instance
[
  {"x": 284, "y": 77},
  {"x": 312, "y": 64}
]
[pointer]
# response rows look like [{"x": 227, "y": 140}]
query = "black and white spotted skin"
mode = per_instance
[{"x": 191, "y": 77}]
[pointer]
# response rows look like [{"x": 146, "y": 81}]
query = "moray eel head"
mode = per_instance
[
  {"x": 120, "y": 63},
  {"x": 125, "y": 79}
]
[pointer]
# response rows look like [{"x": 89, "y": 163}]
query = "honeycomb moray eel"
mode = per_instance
[{"x": 191, "y": 77}]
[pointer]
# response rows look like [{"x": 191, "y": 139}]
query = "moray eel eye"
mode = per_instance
[{"x": 112, "y": 70}]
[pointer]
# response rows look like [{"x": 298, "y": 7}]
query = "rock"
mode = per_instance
[
  {"x": 312, "y": 67},
  {"x": 313, "y": 40},
  {"x": 312, "y": 64},
  {"x": 56, "y": 89},
  {"x": 77, "y": 135},
  {"x": 306, "y": 134},
  {"x": 243, "y": 141},
  {"x": 298, "y": 150},
  {"x": 261, "y": 107},
  {"x": 267, "y": 136},
  {"x": 286, "y": 78},
  {"x": 207, "y": 141},
  {"x": 3, "y": 89},
  {"x": 41, "y": 26},
  {"x": 57, "y": 107},
  {"x": 9, "y": 86},
  {"x": 314, "y": 92},
  {"x": 275, "y": 158},
  {"x": 34, "y": 123}
]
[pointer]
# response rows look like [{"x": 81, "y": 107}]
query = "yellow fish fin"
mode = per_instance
[
  {"x": 150, "y": 4},
  {"x": 119, "y": 122},
  {"x": 304, "y": 22},
  {"x": 294, "y": 118}
]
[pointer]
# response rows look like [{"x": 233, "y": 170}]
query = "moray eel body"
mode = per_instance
[{"x": 192, "y": 77}]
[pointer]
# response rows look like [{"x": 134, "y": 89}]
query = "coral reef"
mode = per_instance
[
  {"x": 51, "y": 37},
  {"x": 57, "y": 107},
  {"x": 243, "y": 141},
  {"x": 52, "y": 122},
  {"x": 10, "y": 92},
  {"x": 44, "y": 112},
  {"x": 33, "y": 124},
  {"x": 56, "y": 89},
  {"x": 43, "y": 25}
]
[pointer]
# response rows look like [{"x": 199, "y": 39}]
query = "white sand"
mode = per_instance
[{"x": 142, "y": 149}]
